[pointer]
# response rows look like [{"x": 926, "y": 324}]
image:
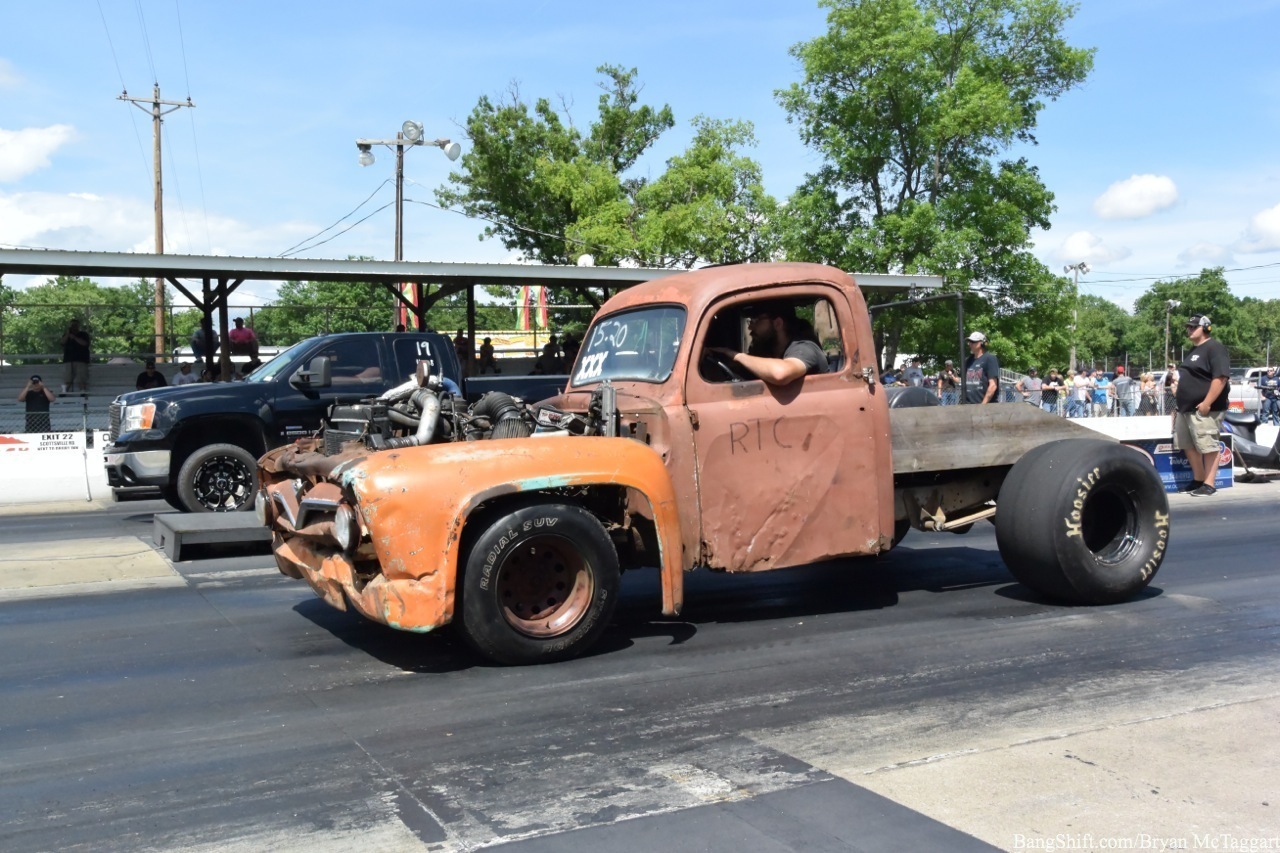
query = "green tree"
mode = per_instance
[
  {"x": 554, "y": 193},
  {"x": 303, "y": 309},
  {"x": 1102, "y": 329},
  {"x": 911, "y": 104},
  {"x": 119, "y": 319},
  {"x": 1206, "y": 293}
]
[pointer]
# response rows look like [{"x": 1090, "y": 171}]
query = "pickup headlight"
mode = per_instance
[{"x": 138, "y": 417}]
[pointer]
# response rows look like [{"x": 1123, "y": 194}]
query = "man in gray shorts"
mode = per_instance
[{"x": 1201, "y": 403}]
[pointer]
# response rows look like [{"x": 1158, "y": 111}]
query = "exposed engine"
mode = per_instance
[{"x": 421, "y": 411}]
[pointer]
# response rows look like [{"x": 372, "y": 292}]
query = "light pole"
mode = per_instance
[
  {"x": 1081, "y": 267},
  {"x": 410, "y": 134},
  {"x": 1168, "y": 312}
]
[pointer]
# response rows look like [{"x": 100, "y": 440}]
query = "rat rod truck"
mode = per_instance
[{"x": 515, "y": 522}]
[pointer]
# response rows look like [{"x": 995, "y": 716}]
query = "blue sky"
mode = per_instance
[{"x": 1164, "y": 161}]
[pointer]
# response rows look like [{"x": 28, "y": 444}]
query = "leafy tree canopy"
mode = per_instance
[{"x": 910, "y": 103}]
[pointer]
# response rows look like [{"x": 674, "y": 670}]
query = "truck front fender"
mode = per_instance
[{"x": 415, "y": 501}]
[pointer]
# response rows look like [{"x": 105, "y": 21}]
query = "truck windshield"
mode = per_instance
[
  {"x": 283, "y": 361},
  {"x": 639, "y": 345}
]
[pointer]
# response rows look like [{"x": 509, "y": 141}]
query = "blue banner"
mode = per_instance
[{"x": 1172, "y": 465}]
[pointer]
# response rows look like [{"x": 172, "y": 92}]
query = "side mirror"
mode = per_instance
[{"x": 317, "y": 374}]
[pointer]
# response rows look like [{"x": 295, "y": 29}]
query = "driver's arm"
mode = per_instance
[{"x": 775, "y": 371}]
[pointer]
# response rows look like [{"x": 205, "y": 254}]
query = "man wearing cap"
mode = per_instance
[
  {"x": 1030, "y": 387},
  {"x": 150, "y": 377},
  {"x": 243, "y": 340},
  {"x": 913, "y": 375},
  {"x": 1201, "y": 400},
  {"x": 1125, "y": 391},
  {"x": 981, "y": 372},
  {"x": 948, "y": 382},
  {"x": 37, "y": 396},
  {"x": 1269, "y": 391},
  {"x": 783, "y": 347}
]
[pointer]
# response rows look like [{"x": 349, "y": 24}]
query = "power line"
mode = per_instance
[
  {"x": 146, "y": 40},
  {"x": 195, "y": 142},
  {"x": 287, "y": 251}
]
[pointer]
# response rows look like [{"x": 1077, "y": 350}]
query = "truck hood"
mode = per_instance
[{"x": 203, "y": 391}]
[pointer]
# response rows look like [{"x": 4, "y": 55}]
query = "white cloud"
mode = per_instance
[
  {"x": 1136, "y": 197},
  {"x": 1202, "y": 254},
  {"x": 1263, "y": 233},
  {"x": 1085, "y": 246},
  {"x": 24, "y": 151},
  {"x": 9, "y": 78}
]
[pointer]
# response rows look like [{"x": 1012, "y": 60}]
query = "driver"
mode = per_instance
[{"x": 783, "y": 347}]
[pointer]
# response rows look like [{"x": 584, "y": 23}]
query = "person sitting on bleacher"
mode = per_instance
[{"x": 150, "y": 377}]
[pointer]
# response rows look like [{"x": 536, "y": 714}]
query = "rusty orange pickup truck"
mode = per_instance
[{"x": 666, "y": 450}]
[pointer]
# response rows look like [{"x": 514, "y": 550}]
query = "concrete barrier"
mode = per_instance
[{"x": 55, "y": 466}]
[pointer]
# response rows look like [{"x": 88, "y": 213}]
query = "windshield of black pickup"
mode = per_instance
[{"x": 639, "y": 345}]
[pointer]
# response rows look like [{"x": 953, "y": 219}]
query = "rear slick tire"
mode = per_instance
[
  {"x": 1083, "y": 521},
  {"x": 540, "y": 585}
]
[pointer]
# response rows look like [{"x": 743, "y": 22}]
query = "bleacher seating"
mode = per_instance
[{"x": 72, "y": 410}]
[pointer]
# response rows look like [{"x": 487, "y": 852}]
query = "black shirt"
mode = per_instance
[
  {"x": 978, "y": 372},
  {"x": 1208, "y": 360},
  {"x": 148, "y": 381},
  {"x": 36, "y": 401},
  {"x": 73, "y": 350}
]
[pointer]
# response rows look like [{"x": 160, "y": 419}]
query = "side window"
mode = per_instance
[
  {"x": 408, "y": 352},
  {"x": 807, "y": 318},
  {"x": 353, "y": 361}
]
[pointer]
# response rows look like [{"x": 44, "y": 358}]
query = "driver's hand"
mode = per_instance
[{"x": 722, "y": 351}]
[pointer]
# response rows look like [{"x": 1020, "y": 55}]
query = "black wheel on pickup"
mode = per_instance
[
  {"x": 218, "y": 478},
  {"x": 1083, "y": 521},
  {"x": 540, "y": 584}
]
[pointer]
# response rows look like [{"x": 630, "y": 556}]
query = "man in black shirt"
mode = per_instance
[
  {"x": 37, "y": 397},
  {"x": 75, "y": 355},
  {"x": 150, "y": 378},
  {"x": 981, "y": 372},
  {"x": 1201, "y": 399}
]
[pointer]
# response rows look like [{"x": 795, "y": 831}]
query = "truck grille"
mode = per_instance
[{"x": 113, "y": 421}]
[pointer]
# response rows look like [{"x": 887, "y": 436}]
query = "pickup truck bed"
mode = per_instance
[{"x": 953, "y": 438}]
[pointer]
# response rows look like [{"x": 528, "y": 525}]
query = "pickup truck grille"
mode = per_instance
[{"x": 113, "y": 421}]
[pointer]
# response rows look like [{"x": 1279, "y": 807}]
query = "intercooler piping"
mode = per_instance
[{"x": 429, "y": 403}]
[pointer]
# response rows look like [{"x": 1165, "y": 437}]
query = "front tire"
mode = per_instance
[
  {"x": 218, "y": 478},
  {"x": 1083, "y": 520},
  {"x": 540, "y": 585}
]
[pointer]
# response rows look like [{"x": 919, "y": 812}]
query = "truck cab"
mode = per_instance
[{"x": 200, "y": 443}]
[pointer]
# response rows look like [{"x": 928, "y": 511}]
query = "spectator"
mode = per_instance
[
  {"x": 1101, "y": 395},
  {"x": 1201, "y": 399},
  {"x": 1052, "y": 391},
  {"x": 913, "y": 375},
  {"x": 549, "y": 360},
  {"x": 1032, "y": 387},
  {"x": 184, "y": 376},
  {"x": 75, "y": 355},
  {"x": 201, "y": 346},
  {"x": 1147, "y": 404},
  {"x": 150, "y": 377},
  {"x": 1170, "y": 388},
  {"x": 487, "y": 359},
  {"x": 243, "y": 340},
  {"x": 1269, "y": 392},
  {"x": 981, "y": 372},
  {"x": 1077, "y": 390},
  {"x": 462, "y": 346},
  {"x": 1125, "y": 391},
  {"x": 37, "y": 396},
  {"x": 399, "y": 327},
  {"x": 948, "y": 383},
  {"x": 571, "y": 347}
]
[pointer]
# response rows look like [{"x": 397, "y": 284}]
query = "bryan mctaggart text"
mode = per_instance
[{"x": 1146, "y": 841}]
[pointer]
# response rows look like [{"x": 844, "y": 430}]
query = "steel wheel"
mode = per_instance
[{"x": 545, "y": 587}]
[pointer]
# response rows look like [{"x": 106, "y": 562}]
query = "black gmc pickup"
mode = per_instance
[{"x": 200, "y": 443}]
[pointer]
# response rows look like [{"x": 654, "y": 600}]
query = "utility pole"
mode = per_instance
[
  {"x": 1081, "y": 267},
  {"x": 154, "y": 108}
]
